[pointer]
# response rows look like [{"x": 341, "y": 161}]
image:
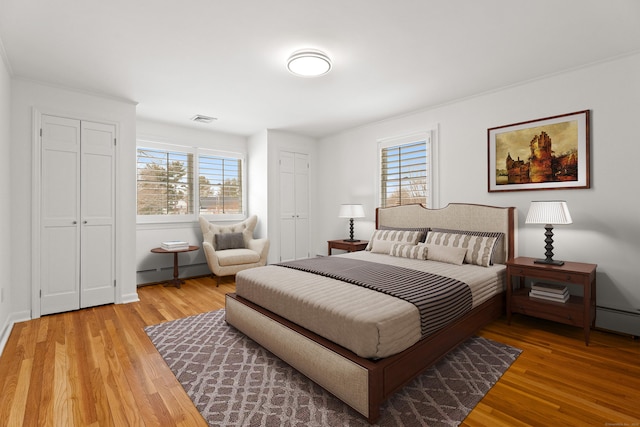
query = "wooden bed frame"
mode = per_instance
[{"x": 364, "y": 384}]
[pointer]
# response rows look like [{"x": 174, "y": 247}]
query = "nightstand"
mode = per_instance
[
  {"x": 346, "y": 245},
  {"x": 577, "y": 311}
]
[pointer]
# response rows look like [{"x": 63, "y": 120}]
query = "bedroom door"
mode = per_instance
[
  {"x": 294, "y": 205},
  {"x": 77, "y": 228}
]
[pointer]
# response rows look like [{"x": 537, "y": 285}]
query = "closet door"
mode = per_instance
[
  {"x": 97, "y": 228},
  {"x": 77, "y": 225},
  {"x": 60, "y": 215},
  {"x": 287, "y": 207},
  {"x": 302, "y": 205},
  {"x": 294, "y": 206}
]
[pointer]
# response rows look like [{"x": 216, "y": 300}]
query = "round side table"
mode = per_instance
[{"x": 175, "y": 281}]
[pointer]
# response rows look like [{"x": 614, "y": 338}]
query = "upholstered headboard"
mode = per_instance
[{"x": 457, "y": 216}]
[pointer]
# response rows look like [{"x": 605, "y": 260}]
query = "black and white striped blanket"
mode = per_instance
[{"x": 439, "y": 299}]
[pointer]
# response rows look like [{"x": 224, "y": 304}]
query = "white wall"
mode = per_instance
[
  {"x": 258, "y": 181},
  {"x": 152, "y": 267},
  {"x": 5, "y": 194},
  {"x": 606, "y": 228},
  {"x": 25, "y": 97}
]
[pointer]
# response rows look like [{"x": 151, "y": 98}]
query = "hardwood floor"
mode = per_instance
[{"x": 96, "y": 367}]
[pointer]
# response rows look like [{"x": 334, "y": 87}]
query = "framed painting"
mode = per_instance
[{"x": 544, "y": 154}]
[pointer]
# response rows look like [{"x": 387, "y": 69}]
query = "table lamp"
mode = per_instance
[
  {"x": 351, "y": 211},
  {"x": 548, "y": 212}
]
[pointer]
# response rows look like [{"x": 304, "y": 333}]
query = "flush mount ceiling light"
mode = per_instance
[{"x": 309, "y": 63}]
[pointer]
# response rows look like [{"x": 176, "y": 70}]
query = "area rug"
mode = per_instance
[{"x": 235, "y": 382}]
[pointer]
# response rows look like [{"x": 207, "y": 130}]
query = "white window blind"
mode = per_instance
[
  {"x": 164, "y": 182},
  {"x": 220, "y": 184},
  {"x": 404, "y": 172}
]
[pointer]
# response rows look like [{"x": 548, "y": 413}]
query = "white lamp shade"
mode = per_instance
[
  {"x": 351, "y": 211},
  {"x": 548, "y": 212}
]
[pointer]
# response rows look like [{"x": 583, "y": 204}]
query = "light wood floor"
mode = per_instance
[{"x": 96, "y": 367}]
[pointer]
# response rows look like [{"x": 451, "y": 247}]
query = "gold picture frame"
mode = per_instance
[{"x": 543, "y": 154}]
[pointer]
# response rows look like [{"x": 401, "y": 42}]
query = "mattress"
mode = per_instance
[{"x": 369, "y": 323}]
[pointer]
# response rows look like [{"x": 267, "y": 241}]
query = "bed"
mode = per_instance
[{"x": 368, "y": 343}]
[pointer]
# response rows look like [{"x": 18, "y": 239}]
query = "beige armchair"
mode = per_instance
[{"x": 232, "y": 248}]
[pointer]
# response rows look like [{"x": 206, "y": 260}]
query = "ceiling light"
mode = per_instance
[
  {"x": 309, "y": 63},
  {"x": 203, "y": 119}
]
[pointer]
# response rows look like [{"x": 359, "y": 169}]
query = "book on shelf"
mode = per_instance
[
  {"x": 549, "y": 296},
  {"x": 549, "y": 287}
]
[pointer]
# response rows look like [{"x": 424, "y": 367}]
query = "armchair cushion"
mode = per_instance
[
  {"x": 228, "y": 241},
  {"x": 237, "y": 257}
]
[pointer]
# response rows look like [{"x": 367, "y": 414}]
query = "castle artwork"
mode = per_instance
[{"x": 540, "y": 154}]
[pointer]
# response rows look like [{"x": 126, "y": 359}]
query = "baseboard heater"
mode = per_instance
[
  {"x": 617, "y": 320},
  {"x": 170, "y": 268},
  {"x": 155, "y": 275}
]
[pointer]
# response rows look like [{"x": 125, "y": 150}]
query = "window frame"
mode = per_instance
[
  {"x": 195, "y": 186},
  {"x": 243, "y": 174},
  {"x": 430, "y": 138}
]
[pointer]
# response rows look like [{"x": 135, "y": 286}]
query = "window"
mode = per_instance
[
  {"x": 164, "y": 182},
  {"x": 405, "y": 171},
  {"x": 220, "y": 184},
  {"x": 177, "y": 183}
]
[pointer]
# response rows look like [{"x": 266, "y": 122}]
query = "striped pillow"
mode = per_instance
[
  {"x": 408, "y": 251},
  {"x": 423, "y": 230},
  {"x": 479, "y": 245},
  {"x": 382, "y": 240}
]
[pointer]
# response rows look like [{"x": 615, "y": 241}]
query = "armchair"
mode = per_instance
[{"x": 232, "y": 248}]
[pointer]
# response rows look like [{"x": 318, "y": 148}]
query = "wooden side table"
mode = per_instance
[
  {"x": 175, "y": 281},
  {"x": 577, "y": 311},
  {"x": 346, "y": 245}
]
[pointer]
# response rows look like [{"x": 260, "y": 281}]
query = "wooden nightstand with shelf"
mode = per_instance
[
  {"x": 346, "y": 245},
  {"x": 577, "y": 311}
]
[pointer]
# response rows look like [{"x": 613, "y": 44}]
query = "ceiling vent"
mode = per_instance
[{"x": 203, "y": 119}]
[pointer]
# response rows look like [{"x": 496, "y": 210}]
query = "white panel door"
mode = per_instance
[
  {"x": 302, "y": 205},
  {"x": 287, "y": 207},
  {"x": 60, "y": 213},
  {"x": 97, "y": 214},
  {"x": 77, "y": 229},
  {"x": 294, "y": 206}
]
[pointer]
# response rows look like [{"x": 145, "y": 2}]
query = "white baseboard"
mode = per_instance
[
  {"x": 8, "y": 326},
  {"x": 132, "y": 297}
]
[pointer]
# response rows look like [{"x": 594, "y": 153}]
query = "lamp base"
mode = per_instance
[
  {"x": 548, "y": 261},
  {"x": 351, "y": 240},
  {"x": 549, "y": 248}
]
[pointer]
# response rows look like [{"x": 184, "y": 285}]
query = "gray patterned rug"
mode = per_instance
[{"x": 235, "y": 382}]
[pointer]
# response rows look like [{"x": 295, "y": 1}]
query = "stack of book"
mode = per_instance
[
  {"x": 174, "y": 245},
  {"x": 549, "y": 292}
]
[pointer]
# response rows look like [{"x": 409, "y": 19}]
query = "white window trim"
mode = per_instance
[
  {"x": 189, "y": 218},
  {"x": 430, "y": 135}
]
